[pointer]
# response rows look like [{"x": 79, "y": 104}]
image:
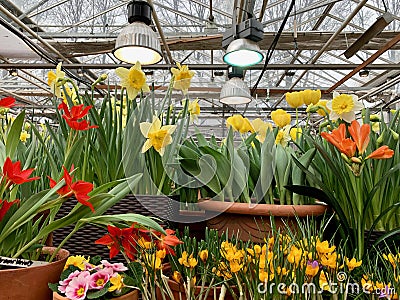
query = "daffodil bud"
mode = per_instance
[
  {"x": 323, "y": 124},
  {"x": 395, "y": 135},
  {"x": 379, "y": 140},
  {"x": 103, "y": 77},
  {"x": 393, "y": 111},
  {"x": 312, "y": 108},
  {"x": 374, "y": 118}
]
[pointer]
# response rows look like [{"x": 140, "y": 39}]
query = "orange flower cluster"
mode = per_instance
[{"x": 358, "y": 140}]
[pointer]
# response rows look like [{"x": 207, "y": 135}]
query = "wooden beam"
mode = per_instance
[{"x": 371, "y": 59}]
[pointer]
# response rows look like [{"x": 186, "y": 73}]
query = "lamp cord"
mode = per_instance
[
  {"x": 273, "y": 45},
  {"x": 384, "y": 5}
]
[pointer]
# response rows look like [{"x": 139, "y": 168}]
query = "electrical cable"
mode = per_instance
[
  {"x": 272, "y": 46},
  {"x": 384, "y": 5}
]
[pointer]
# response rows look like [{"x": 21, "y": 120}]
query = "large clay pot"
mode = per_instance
[
  {"x": 32, "y": 283},
  {"x": 134, "y": 295},
  {"x": 253, "y": 221}
]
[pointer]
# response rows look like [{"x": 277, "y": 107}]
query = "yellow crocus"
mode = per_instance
[
  {"x": 134, "y": 80},
  {"x": 24, "y": 136},
  {"x": 311, "y": 96},
  {"x": 295, "y": 255},
  {"x": 352, "y": 263},
  {"x": 261, "y": 128},
  {"x": 157, "y": 136},
  {"x": 323, "y": 247},
  {"x": 329, "y": 260},
  {"x": 177, "y": 276},
  {"x": 203, "y": 255},
  {"x": 182, "y": 77},
  {"x": 280, "y": 117},
  {"x": 53, "y": 79},
  {"x": 294, "y": 99},
  {"x": 312, "y": 268}
]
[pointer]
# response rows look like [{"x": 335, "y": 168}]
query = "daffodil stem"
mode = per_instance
[{"x": 297, "y": 117}]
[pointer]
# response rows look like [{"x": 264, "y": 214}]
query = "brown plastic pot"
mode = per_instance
[
  {"x": 253, "y": 221},
  {"x": 134, "y": 295},
  {"x": 32, "y": 283}
]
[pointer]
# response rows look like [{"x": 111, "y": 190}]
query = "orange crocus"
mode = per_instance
[
  {"x": 382, "y": 152},
  {"x": 360, "y": 135},
  {"x": 337, "y": 135}
]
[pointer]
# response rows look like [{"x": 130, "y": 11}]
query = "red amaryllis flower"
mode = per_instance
[
  {"x": 168, "y": 241},
  {"x": 117, "y": 238},
  {"x": 5, "y": 206},
  {"x": 337, "y": 135},
  {"x": 360, "y": 135},
  {"x": 72, "y": 116},
  {"x": 79, "y": 188},
  {"x": 383, "y": 152},
  {"x": 7, "y": 102},
  {"x": 14, "y": 174}
]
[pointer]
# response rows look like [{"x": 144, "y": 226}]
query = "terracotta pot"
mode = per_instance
[
  {"x": 31, "y": 283},
  {"x": 253, "y": 222},
  {"x": 134, "y": 295}
]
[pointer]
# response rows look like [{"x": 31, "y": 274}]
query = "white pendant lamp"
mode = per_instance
[
  {"x": 235, "y": 91},
  {"x": 137, "y": 41}
]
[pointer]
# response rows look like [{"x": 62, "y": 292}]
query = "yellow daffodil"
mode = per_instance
[
  {"x": 182, "y": 77},
  {"x": 78, "y": 261},
  {"x": 311, "y": 96},
  {"x": 344, "y": 106},
  {"x": 24, "y": 136},
  {"x": 283, "y": 136},
  {"x": 117, "y": 283},
  {"x": 322, "y": 103},
  {"x": 352, "y": 263},
  {"x": 280, "y": 117},
  {"x": 134, "y": 80},
  {"x": 261, "y": 128},
  {"x": 53, "y": 80},
  {"x": 239, "y": 123},
  {"x": 294, "y": 99},
  {"x": 157, "y": 136},
  {"x": 194, "y": 110},
  {"x": 203, "y": 255},
  {"x": 295, "y": 133},
  {"x": 71, "y": 94}
]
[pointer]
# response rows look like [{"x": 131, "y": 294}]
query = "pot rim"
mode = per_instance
[{"x": 276, "y": 210}]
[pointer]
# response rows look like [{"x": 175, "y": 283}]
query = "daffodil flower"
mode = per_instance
[
  {"x": 344, "y": 106},
  {"x": 134, "y": 80},
  {"x": 24, "y": 136},
  {"x": 182, "y": 77},
  {"x": 261, "y": 128},
  {"x": 194, "y": 110},
  {"x": 283, "y": 137},
  {"x": 157, "y": 136},
  {"x": 53, "y": 80}
]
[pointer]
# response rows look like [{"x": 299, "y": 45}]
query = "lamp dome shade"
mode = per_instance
[
  {"x": 235, "y": 91},
  {"x": 138, "y": 42},
  {"x": 243, "y": 53}
]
